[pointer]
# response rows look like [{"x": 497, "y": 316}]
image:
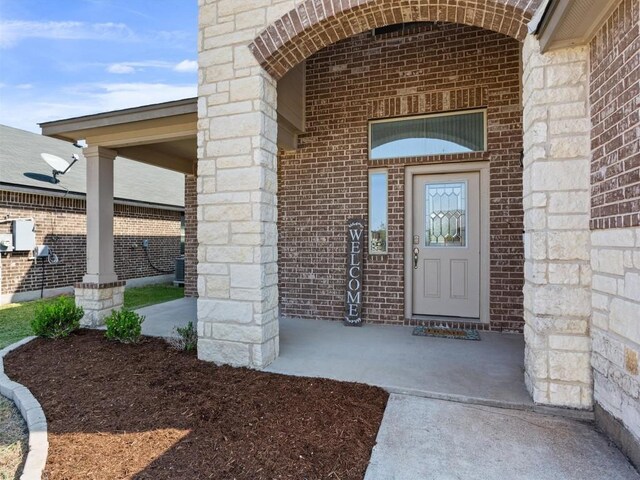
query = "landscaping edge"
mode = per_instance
[{"x": 33, "y": 415}]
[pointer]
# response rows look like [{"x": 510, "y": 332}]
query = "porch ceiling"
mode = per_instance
[
  {"x": 568, "y": 23},
  {"x": 163, "y": 134}
]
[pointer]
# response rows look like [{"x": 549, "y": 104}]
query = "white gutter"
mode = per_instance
[{"x": 536, "y": 20}]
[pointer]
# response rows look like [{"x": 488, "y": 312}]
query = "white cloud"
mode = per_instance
[
  {"x": 120, "y": 68},
  {"x": 13, "y": 31},
  {"x": 26, "y": 112},
  {"x": 115, "y": 96},
  {"x": 24, "y": 86},
  {"x": 186, "y": 66}
]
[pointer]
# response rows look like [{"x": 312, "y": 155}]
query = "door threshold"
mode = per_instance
[{"x": 445, "y": 319}]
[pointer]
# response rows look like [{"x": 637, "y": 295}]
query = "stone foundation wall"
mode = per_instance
[{"x": 615, "y": 259}]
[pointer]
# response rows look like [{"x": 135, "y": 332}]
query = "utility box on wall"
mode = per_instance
[
  {"x": 24, "y": 235},
  {"x": 6, "y": 242}
]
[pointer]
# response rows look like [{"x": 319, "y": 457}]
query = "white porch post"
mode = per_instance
[
  {"x": 557, "y": 298},
  {"x": 100, "y": 290},
  {"x": 100, "y": 265},
  {"x": 237, "y": 183}
]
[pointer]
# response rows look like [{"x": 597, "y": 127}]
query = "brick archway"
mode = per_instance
[{"x": 315, "y": 24}]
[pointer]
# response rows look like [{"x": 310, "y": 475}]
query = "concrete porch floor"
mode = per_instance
[{"x": 488, "y": 372}]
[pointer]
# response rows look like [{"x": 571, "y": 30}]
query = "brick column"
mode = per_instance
[
  {"x": 237, "y": 182},
  {"x": 557, "y": 298},
  {"x": 100, "y": 292},
  {"x": 191, "y": 237}
]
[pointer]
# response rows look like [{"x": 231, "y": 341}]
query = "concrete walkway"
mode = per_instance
[
  {"x": 162, "y": 319},
  {"x": 422, "y": 439}
]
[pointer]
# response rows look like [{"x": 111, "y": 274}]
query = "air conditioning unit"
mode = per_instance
[{"x": 179, "y": 270}]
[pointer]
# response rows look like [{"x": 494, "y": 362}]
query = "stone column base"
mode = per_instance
[
  {"x": 98, "y": 300},
  {"x": 238, "y": 354}
]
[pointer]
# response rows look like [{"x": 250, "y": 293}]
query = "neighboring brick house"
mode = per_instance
[
  {"x": 491, "y": 149},
  {"x": 149, "y": 206}
]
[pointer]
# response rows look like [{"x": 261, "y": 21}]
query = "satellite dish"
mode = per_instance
[
  {"x": 55, "y": 162},
  {"x": 59, "y": 165}
]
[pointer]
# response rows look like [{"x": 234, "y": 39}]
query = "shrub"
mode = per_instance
[
  {"x": 187, "y": 340},
  {"x": 57, "y": 319},
  {"x": 124, "y": 325}
]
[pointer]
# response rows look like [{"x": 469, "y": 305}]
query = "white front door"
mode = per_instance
[{"x": 446, "y": 245}]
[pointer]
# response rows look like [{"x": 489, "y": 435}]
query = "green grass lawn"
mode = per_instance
[
  {"x": 15, "y": 319},
  {"x": 150, "y": 295}
]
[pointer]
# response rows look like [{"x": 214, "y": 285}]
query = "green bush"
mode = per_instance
[
  {"x": 188, "y": 340},
  {"x": 124, "y": 325},
  {"x": 57, "y": 319}
]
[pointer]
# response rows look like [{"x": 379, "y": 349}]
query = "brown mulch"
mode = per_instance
[{"x": 149, "y": 411}]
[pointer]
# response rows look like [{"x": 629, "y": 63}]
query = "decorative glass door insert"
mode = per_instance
[{"x": 446, "y": 219}]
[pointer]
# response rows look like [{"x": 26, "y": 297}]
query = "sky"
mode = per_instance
[{"x": 67, "y": 58}]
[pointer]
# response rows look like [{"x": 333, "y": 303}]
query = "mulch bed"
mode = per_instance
[{"x": 148, "y": 411}]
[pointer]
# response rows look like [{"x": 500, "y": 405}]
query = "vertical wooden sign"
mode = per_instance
[{"x": 353, "y": 296}]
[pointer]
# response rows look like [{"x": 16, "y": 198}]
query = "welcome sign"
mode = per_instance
[{"x": 355, "y": 247}]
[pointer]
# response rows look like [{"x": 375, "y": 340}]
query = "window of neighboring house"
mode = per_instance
[
  {"x": 378, "y": 203},
  {"x": 436, "y": 134}
]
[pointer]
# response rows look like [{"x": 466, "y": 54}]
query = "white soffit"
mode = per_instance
[{"x": 573, "y": 22}]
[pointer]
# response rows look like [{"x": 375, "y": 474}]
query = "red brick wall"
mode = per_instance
[
  {"x": 615, "y": 114},
  {"x": 437, "y": 68},
  {"x": 61, "y": 224},
  {"x": 191, "y": 237},
  {"x": 314, "y": 24}
]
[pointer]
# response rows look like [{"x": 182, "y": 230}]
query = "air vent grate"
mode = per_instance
[{"x": 399, "y": 28}]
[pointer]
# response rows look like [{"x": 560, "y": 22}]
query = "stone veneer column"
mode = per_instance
[
  {"x": 100, "y": 291},
  {"x": 237, "y": 183},
  {"x": 557, "y": 297}
]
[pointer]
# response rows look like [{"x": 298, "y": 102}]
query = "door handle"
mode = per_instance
[{"x": 416, "y": 251}]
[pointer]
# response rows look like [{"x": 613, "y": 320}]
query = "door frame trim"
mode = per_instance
[{"x": 482, "y": 168}]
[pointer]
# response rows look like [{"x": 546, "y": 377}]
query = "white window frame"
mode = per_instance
[
  {"x": 429, "y": 115},
  {"x": 377, "y": 171}
]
